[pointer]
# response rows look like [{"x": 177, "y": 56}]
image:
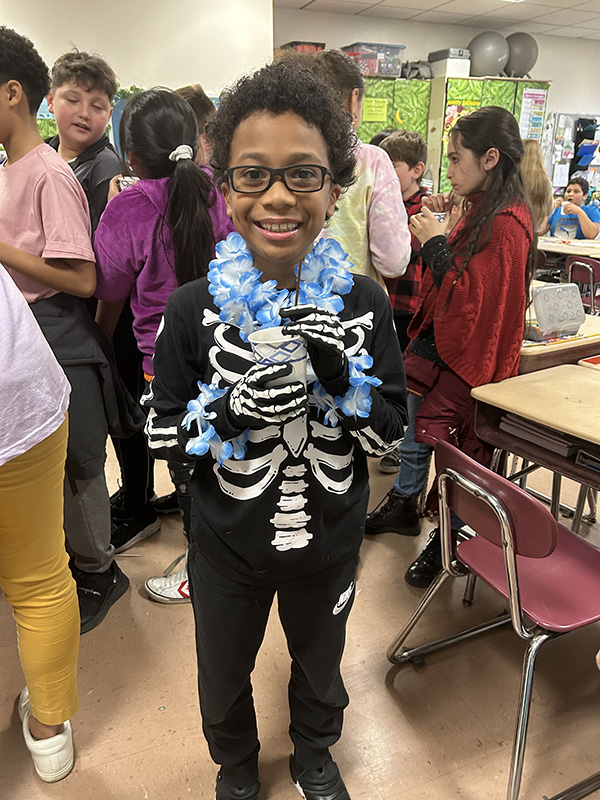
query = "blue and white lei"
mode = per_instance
[{"x": 249, "y": 304}]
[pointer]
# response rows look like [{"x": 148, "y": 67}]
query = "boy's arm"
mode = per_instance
[
  {"x": 107, "y": 315},
  {"x": 589, "y": 222},
  {"x": 70, "y": 275}
]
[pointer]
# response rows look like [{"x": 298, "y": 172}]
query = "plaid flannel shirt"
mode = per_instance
[{"x": 404, "y": 291}]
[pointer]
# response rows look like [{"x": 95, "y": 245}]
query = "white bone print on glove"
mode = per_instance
[
  {"x": 251, "y": 404},
  {"x": 324, "y": 335}
]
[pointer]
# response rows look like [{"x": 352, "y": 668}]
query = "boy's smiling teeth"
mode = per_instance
[{"x": 279, "y": 227}]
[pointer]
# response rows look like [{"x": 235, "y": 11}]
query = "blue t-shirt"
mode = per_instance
[{"x": 567, "y": 225}]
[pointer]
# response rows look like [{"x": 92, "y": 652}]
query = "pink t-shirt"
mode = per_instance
[
  {"x": 43, "y": 211},
  {"x": 34, "y": 392}
]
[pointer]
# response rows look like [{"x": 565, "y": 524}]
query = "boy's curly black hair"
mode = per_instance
[
  {"x": 283, "y": 86},
  {"x": 20, "y": 61}
]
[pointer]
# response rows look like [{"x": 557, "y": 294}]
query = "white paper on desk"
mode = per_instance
[{"x": 560, "y": 176}]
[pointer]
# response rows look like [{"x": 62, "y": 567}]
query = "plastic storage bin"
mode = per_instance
[
  {"x": 377, "y": 59},
  {"x": 558, "y": 311}
]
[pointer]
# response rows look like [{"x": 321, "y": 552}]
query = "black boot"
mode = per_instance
[
  {"x": 395, "y": 514},
  {"x": 97, "y": 592},
  {"x": 428, "y": 564}
]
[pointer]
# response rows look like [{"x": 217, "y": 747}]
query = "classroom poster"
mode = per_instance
[
  {"x": 407, "y": 106},
  {"x": 531, "y": 118}
]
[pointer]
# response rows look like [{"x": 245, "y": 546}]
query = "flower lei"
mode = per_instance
[{"x": 249, "y": 304}]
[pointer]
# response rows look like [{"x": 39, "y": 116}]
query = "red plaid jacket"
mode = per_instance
[{"x": 404, "y": 291}]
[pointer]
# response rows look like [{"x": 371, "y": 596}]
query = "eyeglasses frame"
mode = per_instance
[{"x": 274, "y": 173}]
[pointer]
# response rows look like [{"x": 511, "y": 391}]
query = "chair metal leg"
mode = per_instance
[
  {"x": 555, "y": 501},
  {"x": 578, "y": 515},
  {"x": 470, "y": 589},
  {"x": 414, "y": 618},
  {"x": 578, "y": 790},
  {"x": 518, "y": 753}
]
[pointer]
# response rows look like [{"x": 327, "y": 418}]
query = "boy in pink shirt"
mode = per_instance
[{"x": 45, "y": 246}]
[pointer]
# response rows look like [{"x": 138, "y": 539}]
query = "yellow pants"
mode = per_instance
[{"x": 35, "y": 576}]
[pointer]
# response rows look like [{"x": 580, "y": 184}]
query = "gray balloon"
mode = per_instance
[
  {"x": 489, "y": 54},
  {"x": 523, "y": 54}
]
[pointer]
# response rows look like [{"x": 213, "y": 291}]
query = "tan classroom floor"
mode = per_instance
[{"x": 442, "y": 731}]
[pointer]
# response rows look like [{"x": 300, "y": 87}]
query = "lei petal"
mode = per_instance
[
  {"x": 208, "y": 438},
  {"x": 357, "y": 400}
]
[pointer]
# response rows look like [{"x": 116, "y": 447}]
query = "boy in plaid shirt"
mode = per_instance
[{"x": 408, "y": 152}]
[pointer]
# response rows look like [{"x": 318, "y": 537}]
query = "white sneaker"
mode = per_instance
[
  {"x": 53, "y": 758},
  {"x": 172, "y": 589}
]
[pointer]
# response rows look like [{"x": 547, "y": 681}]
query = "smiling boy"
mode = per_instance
[
  {"x": 280, "y": 483},
  {"x": 82, "y": 90}
]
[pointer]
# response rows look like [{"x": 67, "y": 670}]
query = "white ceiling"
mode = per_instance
[{"x": 572, "y": 18}]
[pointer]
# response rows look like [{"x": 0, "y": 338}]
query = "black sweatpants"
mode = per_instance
[{"x": 231, "y": 617}]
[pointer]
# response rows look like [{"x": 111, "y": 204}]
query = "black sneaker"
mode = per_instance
[
  {"x": 97, "y": 592},
  {"x": 390, "y": 463},
  {"x": 395, "y": 514},
  {"x": 322, "y": 783},
  {"x": 125, "y": 531},
  {"x": 167, "y": 504},
  {"x": 227, "y": 791},
  {"x": 428, "y": 564}
]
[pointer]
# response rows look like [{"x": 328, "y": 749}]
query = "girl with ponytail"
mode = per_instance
[{"x": 154, "y": 236}]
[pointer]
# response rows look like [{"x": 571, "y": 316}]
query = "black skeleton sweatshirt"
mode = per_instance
[{"x": 296, "y": 502}]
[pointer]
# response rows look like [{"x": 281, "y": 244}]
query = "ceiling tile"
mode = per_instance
[
  {"x": 591, "y": 5},
  {"x": 442, "y": 19},
  {"x": 423, "y": 5},
  {"x": 471, "y": 7},
  {"x": 557, "y": 3},
  {"x": 339, "y": 6},
  {"x": 567, "y": 16},
  {"x": 289, "y": 3},
  {"x": 570, "y": 32},
  {"x": 531, "y": 27},
  {"x": 516, "y": 11},
  {"x": 391, "y": 12},
  {"x": 590, "y": 25},
  {"x": 487, "y": 23}
]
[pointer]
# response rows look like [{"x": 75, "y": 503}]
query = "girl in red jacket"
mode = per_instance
[{"x": 468, "y": 328}]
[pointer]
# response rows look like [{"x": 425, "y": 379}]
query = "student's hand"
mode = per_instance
[
  {"x": 598, "y": 659},
  {"x": 425, "y": 226},
  {"x": 324, "y": 335},
  {"x": 439, "y": 203},
  {"x": 558, "y": 201},
  {"x": 571, "y": 208},
  {"x": 113, "y": 188},
  {"x": 250, "y": 404}
]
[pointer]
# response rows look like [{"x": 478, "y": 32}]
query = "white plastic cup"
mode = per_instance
[
  {"x": 271, "y": 346},
  {"x": 440, "y": 215},
  {"x": 563, "y": 205}
]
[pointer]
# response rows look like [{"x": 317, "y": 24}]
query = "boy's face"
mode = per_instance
[
  {"x": 278, "y": 225},
  {"x": 81, "y": 116},
  {"x": 574, "y": 194},
  {"x": 408, "y": 176}
]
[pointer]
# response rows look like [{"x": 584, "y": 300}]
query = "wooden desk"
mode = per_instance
[
  {"x": 564, "y": 398},
  {"x": 570, "y": 247},
  {"x": 542, "y": 355}
]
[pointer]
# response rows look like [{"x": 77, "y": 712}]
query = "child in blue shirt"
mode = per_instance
[{"x": 571, "y": 219}]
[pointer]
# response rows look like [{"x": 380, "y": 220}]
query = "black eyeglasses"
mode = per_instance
[{"x": 254, "y": 179}]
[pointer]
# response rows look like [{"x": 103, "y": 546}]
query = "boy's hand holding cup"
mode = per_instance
[
  {"x": 324, "y": 336},
  {"x": 254, "y": 402}
]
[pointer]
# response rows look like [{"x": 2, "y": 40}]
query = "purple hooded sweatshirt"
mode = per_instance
[{"x": 135, "y": 255}]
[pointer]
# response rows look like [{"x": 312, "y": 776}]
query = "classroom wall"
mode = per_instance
[
  {"x": 572, "y": 65},
  {"x": 152, "y": 42}
]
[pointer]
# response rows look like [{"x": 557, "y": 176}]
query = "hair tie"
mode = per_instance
[{"x": 183, "y": 151}]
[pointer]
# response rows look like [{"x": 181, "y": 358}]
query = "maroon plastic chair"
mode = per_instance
[
  {"x": 549, "y": 575},
  {"x": 586, "y": 271}
]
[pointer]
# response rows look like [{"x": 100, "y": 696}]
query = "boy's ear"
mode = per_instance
[
  {"x": 225, "y": 191},
  {"x": 334, "y": 196},
  {"x": 50, "y": 101},
  {"x": 14, "y": 91},
  {"x": 418, "y": 170}
]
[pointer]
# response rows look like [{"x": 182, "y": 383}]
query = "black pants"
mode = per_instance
[
  {"x": 133, "y": 454},
  {"x": 231, "y": 617}
]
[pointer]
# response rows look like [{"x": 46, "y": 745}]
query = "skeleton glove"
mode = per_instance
[
  {"x": 252, "y": 404},
  {"x": 324, "y": 337}
]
